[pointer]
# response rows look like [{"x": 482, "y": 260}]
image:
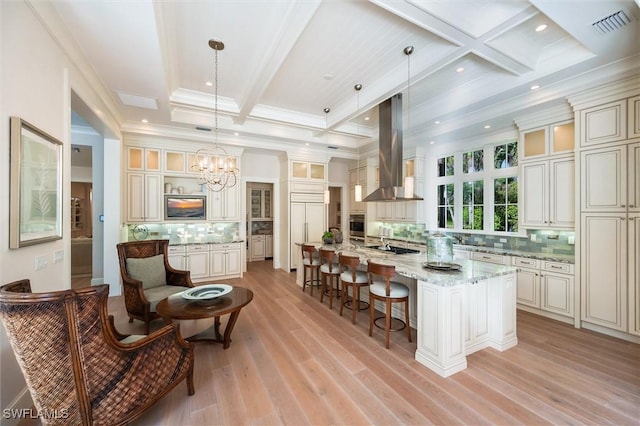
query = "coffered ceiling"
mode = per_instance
[{"x": 285, "y": 61}]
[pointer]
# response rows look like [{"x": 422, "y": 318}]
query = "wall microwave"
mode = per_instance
[{"x": 185, "y": 207}]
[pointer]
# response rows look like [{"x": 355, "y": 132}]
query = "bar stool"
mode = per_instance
[
  {"x": 388, "y": 292},
  {"x": 350, "y": 276},
  {"x": 329, "y": 270},
  {"x": 311, "y": 263}
]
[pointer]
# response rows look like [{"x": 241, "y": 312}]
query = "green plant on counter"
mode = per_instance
[{"x": 327, "y": 237}]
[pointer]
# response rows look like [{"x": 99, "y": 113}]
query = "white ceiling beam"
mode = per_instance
[{"x": 300, "y": 13}]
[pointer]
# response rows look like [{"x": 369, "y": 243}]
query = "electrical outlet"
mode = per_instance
[
  {"x": 58, "y": 255},
  {"x": 41, "y": 262},
  {"x": 533, "y": 237},
  {"x": 571, "y": 240},
  {"x": 503, "y": 240}
]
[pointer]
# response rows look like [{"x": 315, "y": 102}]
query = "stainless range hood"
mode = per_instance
[{"x": 390, "y": 164}]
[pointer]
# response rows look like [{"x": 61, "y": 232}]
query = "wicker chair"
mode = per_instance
[
  {"x": 78, "y": 368},
  {"x": 141, "y": 298}
]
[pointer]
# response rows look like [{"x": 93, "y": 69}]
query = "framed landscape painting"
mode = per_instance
[{"x": 35, "y": 211}]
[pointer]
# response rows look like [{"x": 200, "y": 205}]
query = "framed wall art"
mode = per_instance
[{"x": 35, "y": 211}]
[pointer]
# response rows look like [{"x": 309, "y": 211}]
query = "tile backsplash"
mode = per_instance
[
  {"x": 536, "y": 240},
  {"x": 183, "y": 232}
]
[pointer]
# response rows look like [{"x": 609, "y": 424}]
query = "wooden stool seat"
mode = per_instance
[
  {"x": 388, "y": 292},
  {"x": 350, "y": 276},
  {"x": 310, "y": 263},
  {"x": 329, "y": 271}
]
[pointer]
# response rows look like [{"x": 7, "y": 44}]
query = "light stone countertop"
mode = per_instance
[
  {"x": 192, "y": 241},
  {"x": 410, "y": 265}
]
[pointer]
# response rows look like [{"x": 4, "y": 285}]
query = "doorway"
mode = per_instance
[
  {"x": 334, "y": 218},
  {"x": 259, "y": 221},
  {"x": 81, "y": 216}
]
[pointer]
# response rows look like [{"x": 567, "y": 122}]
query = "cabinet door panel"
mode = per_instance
[
  {"x": 562, "y": 193},
  {"x": 528, "y": 288},
  {"x": 633, "y": 177},
  {"x": 535, "y": 194},
  {"x": 199, "y": 264},
  {"x": 634, "y": 273},
  {"x": 217, "y": 265},
  {"x": 604, "y": 269},
  {"x": 233, "y": 260},
  {"x": 604, "y": 123},
  {"x": 557, "y": 293},
  {"x": 603, "y": 179},
  {"x": 153, "y": 197},
  {"x": 135, "y": 190}
]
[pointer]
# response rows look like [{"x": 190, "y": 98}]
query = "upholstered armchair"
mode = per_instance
[
  {"x": 78, "y": 368},
  {"x": 147, "y": 278}
]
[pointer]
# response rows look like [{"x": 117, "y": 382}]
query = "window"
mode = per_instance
[
  {"x": 505, "y": 155},
  {"x": 473, "y": 162},
  {"x": 472, "y": 205},
  {"x": 505, "y": 195},
  {"x": 445, "y": 206},
  {"x": 445, "y": 166}
]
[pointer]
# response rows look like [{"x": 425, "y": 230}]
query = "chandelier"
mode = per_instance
[{"x": 214, "y": 166}]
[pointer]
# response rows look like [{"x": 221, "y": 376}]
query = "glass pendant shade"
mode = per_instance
[{"x": 358, "y": 196}]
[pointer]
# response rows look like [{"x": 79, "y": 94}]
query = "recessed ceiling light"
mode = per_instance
[
  {"x": 367, "y": 118},
  {"x": 437, "y": 122},
  {"x": 236, "y": 134},
  {"x": 307, "y": 144},
  {"x": 541, "y": 28},
  {"x": 534, "y": 87},
  {"x": 328, "y": 77},
  {"x": 431, "y": 143},
  {"x": 459, "y": 69},
  {"x": 487, "y": 126},
  {"x": 208, "y": 83},
  {"x": 144, "y": 120}
]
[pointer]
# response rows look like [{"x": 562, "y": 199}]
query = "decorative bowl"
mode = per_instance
[{"x": 206, "y": 292}]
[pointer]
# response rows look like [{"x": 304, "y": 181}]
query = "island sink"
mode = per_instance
[{"x": 395, "y": 250}]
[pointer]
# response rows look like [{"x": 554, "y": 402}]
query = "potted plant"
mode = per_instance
[{"x": 327, "y": 237}]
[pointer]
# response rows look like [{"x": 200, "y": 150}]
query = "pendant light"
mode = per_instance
[
  {"x": 215, "y": 168},
  {"x": 358, "y": 187},
  {"x": 327, "y": 193},
  {"x": 408, "y": 180}
]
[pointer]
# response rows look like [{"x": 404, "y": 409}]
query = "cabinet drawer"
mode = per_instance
[
  {"x": 192, "y": 248},
  {"x": 176, "y": 249},
  {"x": 525, "y": 262},
  {"x": 563, "y": 268},
  {"x": 219, "y": 247},
  {"x": 488, "y": 257}
]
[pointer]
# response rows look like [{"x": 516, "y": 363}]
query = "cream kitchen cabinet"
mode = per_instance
[
  {"x": 476, "y": 329},
  {"x": 308, "y": 170},
  {"x": 144, "y": 197},
  {"x": 143, "y": 159},
  {"x": 225, "y": 260},
  {"x": 193, "y": 258},
  {"x": 557, "y": 288},
  {"x": 548, "y": 193},
  {"x": 604, "y": 272},
  {"x": 258, "y": 249},
  {"x": 260, "y": 200},
  {"x": 545, "y": 288},
  {"x": 634, "y": 272},
  {"x": 633, "y": 117},
  {"x": 308, "y": 222},
  {"x": 490, "y": 258},
  {"x": 558, "y": 138},
  {"x": 528, "y": 285},
  {"x": 175, "y": 162},
  {"x": 605, "y": 123},
  {"x": 268, "y": 246},
  {"x": 225, "y": 205}
]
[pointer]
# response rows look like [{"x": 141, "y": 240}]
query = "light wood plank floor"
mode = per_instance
[{"x": 293, "y": 361}]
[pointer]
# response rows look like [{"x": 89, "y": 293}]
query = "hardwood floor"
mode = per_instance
[{"x": 294, "y": 361}]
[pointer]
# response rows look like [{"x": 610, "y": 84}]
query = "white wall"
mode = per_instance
[{"x": 36, "y": 79}]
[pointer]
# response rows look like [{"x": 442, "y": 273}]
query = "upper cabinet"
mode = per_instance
[
  {"x": 604, "y": 123},
  {"x": 633, "y": 117},
  {"x": 174, "y": 162},
  {"x": 307, "y": 170},
  {"x": 147, "y": 159},
  {"x": 260, "y": 200},
  {"x": 555, "y": 139}
]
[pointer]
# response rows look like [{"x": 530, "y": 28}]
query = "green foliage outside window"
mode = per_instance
[
  {"x": 506, "y": 155},
  {"x": 445, "y": 206},
  {"x": 473, "y": 162},
  {"x": 445, "y": 166},
  {"x": 472, "y": 205},
  {"x": 505, "y": 216}
]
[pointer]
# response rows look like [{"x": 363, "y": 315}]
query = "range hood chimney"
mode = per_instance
[{"x": 390, "y": 163}]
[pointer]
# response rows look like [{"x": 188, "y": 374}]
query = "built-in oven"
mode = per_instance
[{"x": 356, "y": 227}]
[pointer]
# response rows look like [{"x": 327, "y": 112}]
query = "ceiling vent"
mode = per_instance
[
  {"x": 611, "y": 23},
  {"x": 203, "y": 129}
]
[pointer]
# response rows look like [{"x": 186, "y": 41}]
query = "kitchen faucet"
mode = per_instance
[{"x": 384, "y": 243}]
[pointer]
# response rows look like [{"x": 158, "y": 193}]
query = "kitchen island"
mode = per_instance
[{"x": 455, "y": 313}]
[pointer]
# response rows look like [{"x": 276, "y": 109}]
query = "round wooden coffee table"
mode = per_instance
[{"x": 176, "y": 307}]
